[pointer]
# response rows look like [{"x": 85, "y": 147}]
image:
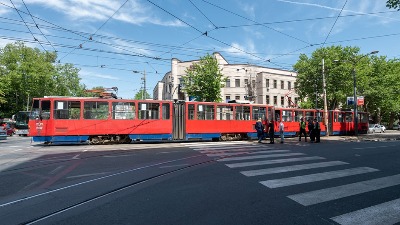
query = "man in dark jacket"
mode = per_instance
[
  {"x": 271, "y": 129},
  {"x": 317, "y": 130},
  {"x": 260, "y": 130},
  {"x": 311, "y": 130}
]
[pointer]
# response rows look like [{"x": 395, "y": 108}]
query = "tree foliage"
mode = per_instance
[
  {"x": 27, "y": 72},
  {"x": 395, "y": 4},
  {"x": 377, "y": 79},
  {"x": 204, "y": 80},
  {"x": 142, "y": 94}
]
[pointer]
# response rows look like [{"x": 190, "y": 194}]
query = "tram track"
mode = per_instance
[
  {"x": 108, "y": 192},
  {"x": 55, "y": 161}
]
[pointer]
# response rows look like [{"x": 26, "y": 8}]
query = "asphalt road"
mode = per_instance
[{"x": 337, "y": 181}]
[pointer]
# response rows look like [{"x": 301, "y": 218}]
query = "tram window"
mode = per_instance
[
  {"x": 149, "y": 111},
  {"x": 309, "y": 115},
  {"x": 45, "y": 114},
  {"x": 270, "y": 113},
  {"x": 287, "y": 115},
  {"x": 95, "y": 110},
  {"x": 224, "y": 113},
  {"x": 166, "y": 111},
  {"x": 191, "y": 111},
  {"x": 35, "y": 110},
  {"x": 349, "y": 117},
  {"x": 259, "y": 112},
  {"x": 298, "y": 115},
  {"x": 205, "y": 112},
  {"x": 67, "y": 110},
  {"x": 340, "y": 117},
  {"x": 363, "y": 117},
  {"x": 123, "y": 110},
  {"x": 277, "y": 115},
  {"x": 242, "y": 112}
]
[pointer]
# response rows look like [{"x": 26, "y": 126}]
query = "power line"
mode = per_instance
[
  {"x": 334, "y": 23},
  {"x": 90, "y": 38},
  {"x": 203, "y": 14},
  {"x": 37, "y": 26},
  {"x": 27, "y": 26},
  {"x": 256, "y": 22}
]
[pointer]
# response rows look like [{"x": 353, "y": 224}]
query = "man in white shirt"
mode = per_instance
[{"x": 281, "y": 131}]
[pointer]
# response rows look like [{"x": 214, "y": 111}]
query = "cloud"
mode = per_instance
[
  {"x": 100, "y": 10},
  {"x": 88, "y": 75},
  {"x": 243, "y": 50}
]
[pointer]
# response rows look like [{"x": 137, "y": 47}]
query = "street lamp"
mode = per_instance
[
  {"x": 355, "y": 90},
  {"x": 325, "y": 102}
]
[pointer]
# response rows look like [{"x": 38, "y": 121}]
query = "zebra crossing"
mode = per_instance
[{"x": 245, "y": 155}]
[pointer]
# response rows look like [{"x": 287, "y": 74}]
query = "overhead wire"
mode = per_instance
[
  {"x": 334, "y": 23},
  {"x": 37, "y": 26},
  {"x": 27, "y": 26},
  {"x": 80, "y": 45}
]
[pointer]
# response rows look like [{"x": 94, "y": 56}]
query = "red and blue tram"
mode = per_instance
[{"x": 99, "y": 120}]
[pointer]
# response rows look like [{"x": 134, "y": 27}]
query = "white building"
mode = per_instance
[{"x": 266, "y": 86}]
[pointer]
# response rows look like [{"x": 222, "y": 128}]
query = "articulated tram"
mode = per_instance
[{"x": 98, "y": 120}]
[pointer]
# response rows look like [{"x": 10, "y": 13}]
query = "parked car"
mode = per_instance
[
  {"x": 383, "y": 128},
  {"x": 3, "y": 134},
  {"x": 373, "y": 128}
]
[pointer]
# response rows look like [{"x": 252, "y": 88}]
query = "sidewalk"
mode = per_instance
[{"x": 389, "y": 135}]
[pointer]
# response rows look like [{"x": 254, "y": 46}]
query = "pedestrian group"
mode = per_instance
[{"x": 314, "y": 130}]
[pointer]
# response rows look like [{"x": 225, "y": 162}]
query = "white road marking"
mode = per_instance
[
  {"x": 246, "y": 153},
  {"x": 55, "y": 170},
  {"x": 274, "y": 161},
  {"x": 385, "y": 213},
  {"x": 333, "y": 193},
  {"x": 174, "y": 165},
  {"x": 259, "y": 157},
  {"x": 230, "y": 147},
  {"x": 213, "y": 143},
  {"x": 284, "y": 169},
  {"x": 235, "y": 150},
  {"x": 76, "y": 156},
  {"x": 116, "y": 156},
  {"x": 289, "y": 181},
  {"x": 87, "y": 175}
]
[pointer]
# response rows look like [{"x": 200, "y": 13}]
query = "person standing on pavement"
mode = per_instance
[
  {"x": 281, "y": 131},
  {"x": 317, "y": 130},
  {"x": 302, "y": 129},
  {"x": 260, "y": 130},
  {"x": 311, "y": 130},
  {"x": 271, "y": 129}
]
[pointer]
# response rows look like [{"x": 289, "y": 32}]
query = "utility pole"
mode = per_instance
[
  {"x": 326, "y": 122},
  {"x": 144, "y": 84}
]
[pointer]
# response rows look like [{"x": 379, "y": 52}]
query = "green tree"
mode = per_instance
[
  {"x": 142, "y": 94},
  {"x": 338, "y": 76},
  {"x": 395, "y": 4},
  {"x": 27, "y": 72},
  {"x": 204, "y": 80}
]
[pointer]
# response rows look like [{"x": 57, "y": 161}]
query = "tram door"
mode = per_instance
[
  {"x": 178, "y": 121},
  {"x": 331, "y": 119}
]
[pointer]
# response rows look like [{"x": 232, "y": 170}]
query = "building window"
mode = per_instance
[
  {"x": 228, "y": 83},
  {"x": 295, "y": 85},
  {"x": 289, "y": 85},
  {"x": 282, "y": 84},
  {"x": 282, "y": 101},
  {"x": 267, "y": 99},
  {"x": 275, "y": 100},
  {"x": 267, "y": 83},
  {"x": 237, "y": 82},
  {"x": 275, "y": 84},
  {"x": 237, "y": 97},
  {"x": 246, "y": 81},
  {"x": 290, "y": 101},
  {"x": 227, "y": 98}
]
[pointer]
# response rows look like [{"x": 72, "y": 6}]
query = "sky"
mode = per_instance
[{"x": 115, "y": 42}]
